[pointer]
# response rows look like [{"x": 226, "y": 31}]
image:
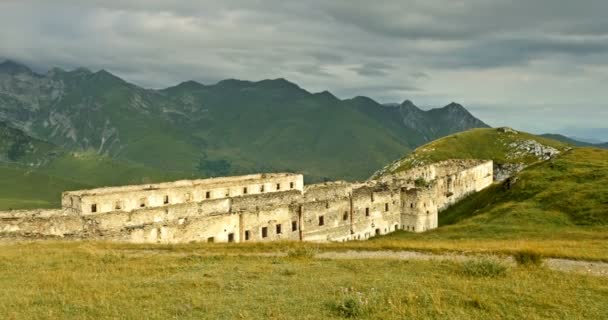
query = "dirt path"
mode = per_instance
[
  {"x": 595, "y": 268},
  {"x": 587, "y": 267}
]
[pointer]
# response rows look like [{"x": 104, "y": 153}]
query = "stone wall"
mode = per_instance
[
  {"x": 128, "y": 198},
  {"x": 256, "y": 208}
]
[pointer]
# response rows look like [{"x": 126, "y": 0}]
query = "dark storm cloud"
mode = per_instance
[{"x": 486, "y": 53}]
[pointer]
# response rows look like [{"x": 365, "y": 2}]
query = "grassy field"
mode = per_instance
[{"x": 84, "y": 280}]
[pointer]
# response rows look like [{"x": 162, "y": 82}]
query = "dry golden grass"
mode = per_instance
[{"x": 89, "y": 280}]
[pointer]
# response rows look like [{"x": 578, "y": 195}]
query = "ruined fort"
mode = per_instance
[{"x": 255, "y": 208}]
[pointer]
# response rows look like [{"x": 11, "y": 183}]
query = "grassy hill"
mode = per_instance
[
  {"x": 555, "y": 208},
  {"x": 502, "y": 145},
  {"x": 567, "y": 191}
]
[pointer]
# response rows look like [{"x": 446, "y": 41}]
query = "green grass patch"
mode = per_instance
[
  {"x": 567, "y": 191},
  {"x": 484, "y": 267},
  {"x": 21, "y": 188}
]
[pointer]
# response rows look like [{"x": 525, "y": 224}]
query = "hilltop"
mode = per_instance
[
  {"x": 569, "y": 190},
  {"x": 510, "y": 150},
  {"x": 228, "y": 128}
]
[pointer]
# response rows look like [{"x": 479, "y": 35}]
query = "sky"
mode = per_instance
[{"x": 534, "y": 65}]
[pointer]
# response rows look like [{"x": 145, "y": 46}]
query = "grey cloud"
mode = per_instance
[
  {"x": 485, "y": 53},
  {"x": 488, "y": 53},
  {"x": 374, "y": 69}
]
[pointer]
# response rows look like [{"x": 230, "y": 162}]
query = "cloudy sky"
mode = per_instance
[{"x": 536, "y": 65}]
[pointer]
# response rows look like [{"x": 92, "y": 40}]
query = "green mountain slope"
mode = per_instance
[
  {"x": 92, "y": 169},
  {"x": 567, "y": 191},
  {"x": 232, "y": 127},
  {"x": 27, "y": 187},
  {"x": 21, "y": 188},
  {"x": 33, "y": 173},
  {"x": 18, "y": 147},
  {"x": 275, "y": 124},
  {"x": 505, "y": 146}
]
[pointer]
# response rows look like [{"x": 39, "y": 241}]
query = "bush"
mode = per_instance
[
  {"x": 349, "y": 307},
  {"x": 351, "y": 303},
  {"x": 421, "y": 183},
  {"x": 302, "y": 253},
  {"x": 528, "y": 258},
  {"x": 484, "y": 267}
]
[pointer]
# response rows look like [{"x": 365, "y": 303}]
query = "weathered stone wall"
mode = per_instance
[
  {"x": 40, "y": 223},
  {"x": 256, "y": 208},
  {"x": 129, "y": 198},
  {"x": 419, "y": 210}
]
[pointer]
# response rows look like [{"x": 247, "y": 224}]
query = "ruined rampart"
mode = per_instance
[{"x": 256, "y": 208}]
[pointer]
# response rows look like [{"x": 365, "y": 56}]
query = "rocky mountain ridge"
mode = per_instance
[{"x": 231, "y": 127}]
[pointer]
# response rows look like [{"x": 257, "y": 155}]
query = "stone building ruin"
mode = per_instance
[{"x": 255, "y": 208}]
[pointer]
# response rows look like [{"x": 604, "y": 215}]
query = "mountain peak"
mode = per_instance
[
  {"x": 363, "y": 100},
  {"x": 190, "y": 84},
  {"x": 104, "y": 75},
  {"x": 326, "y": 95},
  {"x": 233, "y": 82},
  {"x": 279, "y": 83},
  {"x": 12, "y": 67},
  {"x": 408, "y": 104},
  {"x": 455, "y": 105}
]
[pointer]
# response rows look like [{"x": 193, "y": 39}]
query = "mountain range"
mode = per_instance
[{"x": 231, "y": 127}]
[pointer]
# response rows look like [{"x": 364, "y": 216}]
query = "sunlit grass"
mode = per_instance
[{"x": 88, "y": 280}]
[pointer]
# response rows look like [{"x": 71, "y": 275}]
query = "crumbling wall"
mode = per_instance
[
  {"x": 256, "y": 208},
  {"x": 419, "y": 210},
  {"x": 326, "y": 220},
  {"x": 268, "y": 217},
  {"x": 39, "y": 223},
  {"x": 458, "y": 184},
  {"x": 130, "y": 198}
]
